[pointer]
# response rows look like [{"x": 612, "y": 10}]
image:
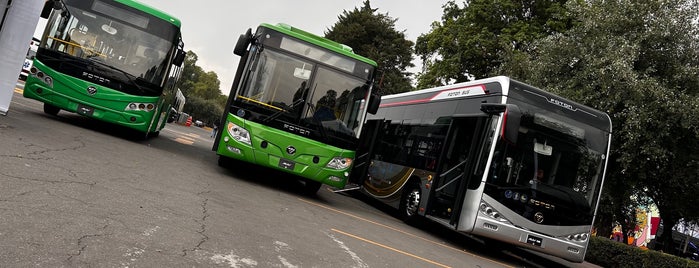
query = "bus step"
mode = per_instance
[{"x": 348, "y": 187}]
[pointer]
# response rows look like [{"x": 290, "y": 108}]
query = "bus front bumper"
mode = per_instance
[
  {"x": 507, "y": 233},
  {"x": 48, "y": 95},
  {"x": 302, "y": 165}
]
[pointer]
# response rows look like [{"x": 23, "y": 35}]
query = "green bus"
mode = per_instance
[
  {"x": 112, "y": 60},
  {"x": 297, "y": 105}
]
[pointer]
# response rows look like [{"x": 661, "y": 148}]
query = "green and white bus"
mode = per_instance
[
  {"x": 494, "y": 157},
  {"x": 297, "y": 105},
  {"x": 112, "y": 60}
]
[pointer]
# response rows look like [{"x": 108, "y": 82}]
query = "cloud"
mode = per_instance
[{"x": 211, "y": 28}]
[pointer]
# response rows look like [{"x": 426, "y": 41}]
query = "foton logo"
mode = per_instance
[
  {"x": 96, "y": 78},
  {"x": 297, "y": 129},
  {"x": 561, "y": 104},
  {"x": 91, "y": 90}
]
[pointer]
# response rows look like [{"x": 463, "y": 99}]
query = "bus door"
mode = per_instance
[
  {"x": 458, "y": 157},
  {"x": 371, "y": 133}
]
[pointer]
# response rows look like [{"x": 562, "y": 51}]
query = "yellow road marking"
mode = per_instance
[
  {"x": 400, "y": 231},
  {"x": 390, "y": 248},
  {"x": 184, "y": 137},
  {"x": 184, "y": 141},
  {"x": 19, "y": 90},
  {"x": 184, "y": 133}
]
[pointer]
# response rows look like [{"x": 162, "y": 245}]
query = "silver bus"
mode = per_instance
[{"x": 494, "y": 158}]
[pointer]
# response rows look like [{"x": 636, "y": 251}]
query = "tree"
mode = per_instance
[
  {"x": 373, "y": 35},
  {"x": 207, "y": 86},
  {"x": 202, "y": 90},
  {"x": 207, "y": 110},
  {"x": 639, "y": 61},
  {"x": 472, "y": 41},
  {"x": 190, "y": 73}
]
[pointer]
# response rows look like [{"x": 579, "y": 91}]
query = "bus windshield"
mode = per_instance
[
  {"x": 554, "y": 166},
  {"x": 110, "y": 42},
  {"x": 299, "y": 91}
]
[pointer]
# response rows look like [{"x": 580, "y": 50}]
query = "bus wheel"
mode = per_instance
[
  {"x": 311, "y": 187},
  {"x": 410, "y": 203},
  {"x": 50, "y": 109},
  {"x": 223, "y": 161},
  {"x": 153, "y": 134}
]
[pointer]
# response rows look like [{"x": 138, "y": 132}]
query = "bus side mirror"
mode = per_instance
[
  {"x": 243, "y": 41},
  {"x": 179, "y": 58},
  {"x": 512, "y": 117},
  {"x": 374, "y": 102},
  {"x": 493, "y": 108}
]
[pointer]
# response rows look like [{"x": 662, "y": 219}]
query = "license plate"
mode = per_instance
[
  {"x": 287, "y": 164},
  {"x": 534, "y": 240},
  {"x": 85, "y": 110}
]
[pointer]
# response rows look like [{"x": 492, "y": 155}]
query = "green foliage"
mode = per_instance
[
  {"x": 207, "y": 86},
  {"x": 195, "y": 82},
  {"x": 205, "y": 101},
  {"x": 373, "y": 35},
  {"x": 608, "y": 253},
  {"x": 206, "y": 110},
  {"x": 472, "y": 41},
  {"x": 190, "y": 73},
  {"x": 638, "y": 61}
]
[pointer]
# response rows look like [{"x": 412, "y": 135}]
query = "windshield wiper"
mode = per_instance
[
  {"x": 280, "y": 112},
  {"x": 131, "y": 78},
  {"x": 321, "y": 128},
  {"x": 92, "y": 63}
]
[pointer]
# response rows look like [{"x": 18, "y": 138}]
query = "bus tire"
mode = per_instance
[
  {"x": 153, "y": 134},
  {"x": 50, "y": 109},
  {"x": 410, "y": 203},
  {"x": 311, "y": 187}
]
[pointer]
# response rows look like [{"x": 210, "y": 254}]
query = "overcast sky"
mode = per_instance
[{"x": 210, "y": 28}]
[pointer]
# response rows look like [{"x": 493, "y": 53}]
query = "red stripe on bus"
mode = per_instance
[{"x": 428, "y": 99}]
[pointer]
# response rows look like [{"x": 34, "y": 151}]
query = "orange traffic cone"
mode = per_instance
[{"x": 189, "y": 121}]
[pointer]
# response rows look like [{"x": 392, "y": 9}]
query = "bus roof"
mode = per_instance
[
  {"x": 484, "y": 87},
  {"x": 153, "y": 11},
  {"x": 502, "y": 79},
  {"x": 318, "y": 40}
]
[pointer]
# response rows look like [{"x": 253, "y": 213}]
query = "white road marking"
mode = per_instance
[
  {"x": 286, "y": 263},
  {"x": 359, "y": 262},
  {"x": 150, "y": 231},
  {"x": 133, "y": 254},
  {"x": 279, "y": 247},
  {"x": 233, "y": 260}
]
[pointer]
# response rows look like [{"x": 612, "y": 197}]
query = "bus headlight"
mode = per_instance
[
  {"x": 41, "y": 75},
  {"x": 492, "y": 213},
  {"x": 581, "y": 237},
  {"x": 238, "y": 133},
  {"x": 138, "y": 106},
  {"x": 339, "y": 163}
]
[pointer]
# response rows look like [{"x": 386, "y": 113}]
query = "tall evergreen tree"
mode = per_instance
[{"x": 373, "y": 35}]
